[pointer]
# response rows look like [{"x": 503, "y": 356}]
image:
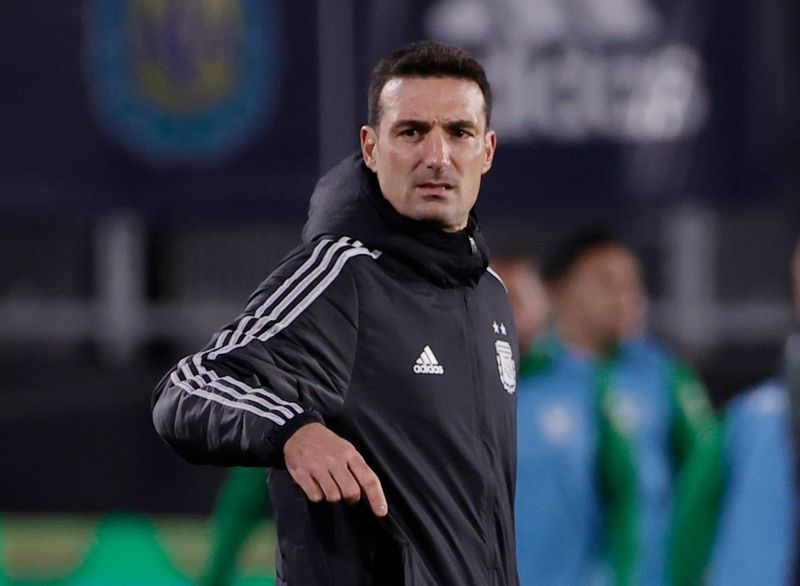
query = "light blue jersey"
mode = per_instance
[
  {"x": 756, "y": 539},
  {"x": 562, "y": 515},
  {"x": 557, "y": 505},
  {"x": 641, "y": 378}
]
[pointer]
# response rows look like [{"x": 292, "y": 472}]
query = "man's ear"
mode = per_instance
[
  {"x": 369, "y": 146},
  {"x": 490, "y": 145}
]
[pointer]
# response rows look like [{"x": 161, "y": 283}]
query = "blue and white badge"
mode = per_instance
[
  {"x": 506, "y": 366},
  {"x": 182, "y": 81}
]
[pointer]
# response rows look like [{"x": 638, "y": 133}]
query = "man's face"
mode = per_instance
[
  {"x": 431, "y": 148},
  {"x": 605, "y": 294}
]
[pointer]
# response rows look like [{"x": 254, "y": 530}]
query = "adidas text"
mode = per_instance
[{"x": 429, "y": 369}]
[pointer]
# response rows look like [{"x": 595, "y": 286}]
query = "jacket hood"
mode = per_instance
[{"x": 347, "y": 201}]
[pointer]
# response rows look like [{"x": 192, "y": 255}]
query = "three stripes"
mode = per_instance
[{"x": 279, "y": 310}]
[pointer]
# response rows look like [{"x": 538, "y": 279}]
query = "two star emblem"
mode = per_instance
[{"x": 499, "y": 329}]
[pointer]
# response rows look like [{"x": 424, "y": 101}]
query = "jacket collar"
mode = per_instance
[{"x": 347, "y": 201}]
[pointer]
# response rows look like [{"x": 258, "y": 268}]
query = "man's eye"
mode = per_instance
[
  {"x": 461, "y": 133},
  {"x": 409, "y": 132}
]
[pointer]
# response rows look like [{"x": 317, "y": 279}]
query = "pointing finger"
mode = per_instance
[{"x": 370, "y": 486}]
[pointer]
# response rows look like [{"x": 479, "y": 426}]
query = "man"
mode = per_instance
[
  {"x": 550, "y": 473},
  {"x": 563, "y": 427},
  {"x": 757, "y": 539},
  {"x": 601, "y": 407},
  {"x": 379, "y": 359}
]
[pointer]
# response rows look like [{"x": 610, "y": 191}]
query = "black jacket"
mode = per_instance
[{"x": 398, "y": 338}]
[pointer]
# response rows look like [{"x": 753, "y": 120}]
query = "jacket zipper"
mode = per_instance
[{"x": 486, "y": 505}]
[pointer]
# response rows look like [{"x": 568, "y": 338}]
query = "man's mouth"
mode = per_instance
[{"x": 435, "y": 185}]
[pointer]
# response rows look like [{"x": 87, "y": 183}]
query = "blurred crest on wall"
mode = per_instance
[{"x": 182, "y": 81}]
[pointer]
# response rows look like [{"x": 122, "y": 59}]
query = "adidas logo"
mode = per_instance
[{"x": 427, "y": 363}]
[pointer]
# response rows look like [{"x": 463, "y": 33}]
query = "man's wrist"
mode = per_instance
[{"x": 286, "y": 431}]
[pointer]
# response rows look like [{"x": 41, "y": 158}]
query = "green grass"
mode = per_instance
[{"x": 121, "y": 550}]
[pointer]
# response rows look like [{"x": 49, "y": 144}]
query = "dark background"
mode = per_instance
[{"x": 114, "y": 263}]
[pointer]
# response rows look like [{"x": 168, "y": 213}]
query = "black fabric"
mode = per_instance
[{"x": 341, "y": 333}]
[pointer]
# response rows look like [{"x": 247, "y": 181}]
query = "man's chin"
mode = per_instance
[{"x": 442, "y": 221}]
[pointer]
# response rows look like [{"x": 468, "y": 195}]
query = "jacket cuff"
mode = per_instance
[{"x": 285, "y": 432}]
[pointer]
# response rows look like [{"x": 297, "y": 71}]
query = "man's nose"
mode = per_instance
[{"x": 437, "y": 150}]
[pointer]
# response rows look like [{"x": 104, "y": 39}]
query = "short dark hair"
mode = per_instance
[
  {"x": 572, "y": 250},
  {"x": 425, "y": 59}
]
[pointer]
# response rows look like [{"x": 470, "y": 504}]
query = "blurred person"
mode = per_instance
[
  {"x": 550, "y": 474},
  {"x": 379, "y": 359},
  {"x": 242, "y": 504},
  {"x": 575, "y": 471},
  {"x": 757, "y": 540},
  {"x": 613, "y": 435},
  {"x": 526, "y": 293}
]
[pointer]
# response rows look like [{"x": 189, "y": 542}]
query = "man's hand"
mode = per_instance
[{"x": 328, "y": 467}]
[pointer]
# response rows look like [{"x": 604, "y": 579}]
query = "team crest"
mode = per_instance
[
  {"x": 181, "y": 81},
  {"x": 506, "y": 366}
]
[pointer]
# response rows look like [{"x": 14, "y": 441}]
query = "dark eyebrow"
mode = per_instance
[
  {"x": 426, "y": 126},
  {"x": 412, "y": 123},
  {"x": 462, "y": 124}
]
